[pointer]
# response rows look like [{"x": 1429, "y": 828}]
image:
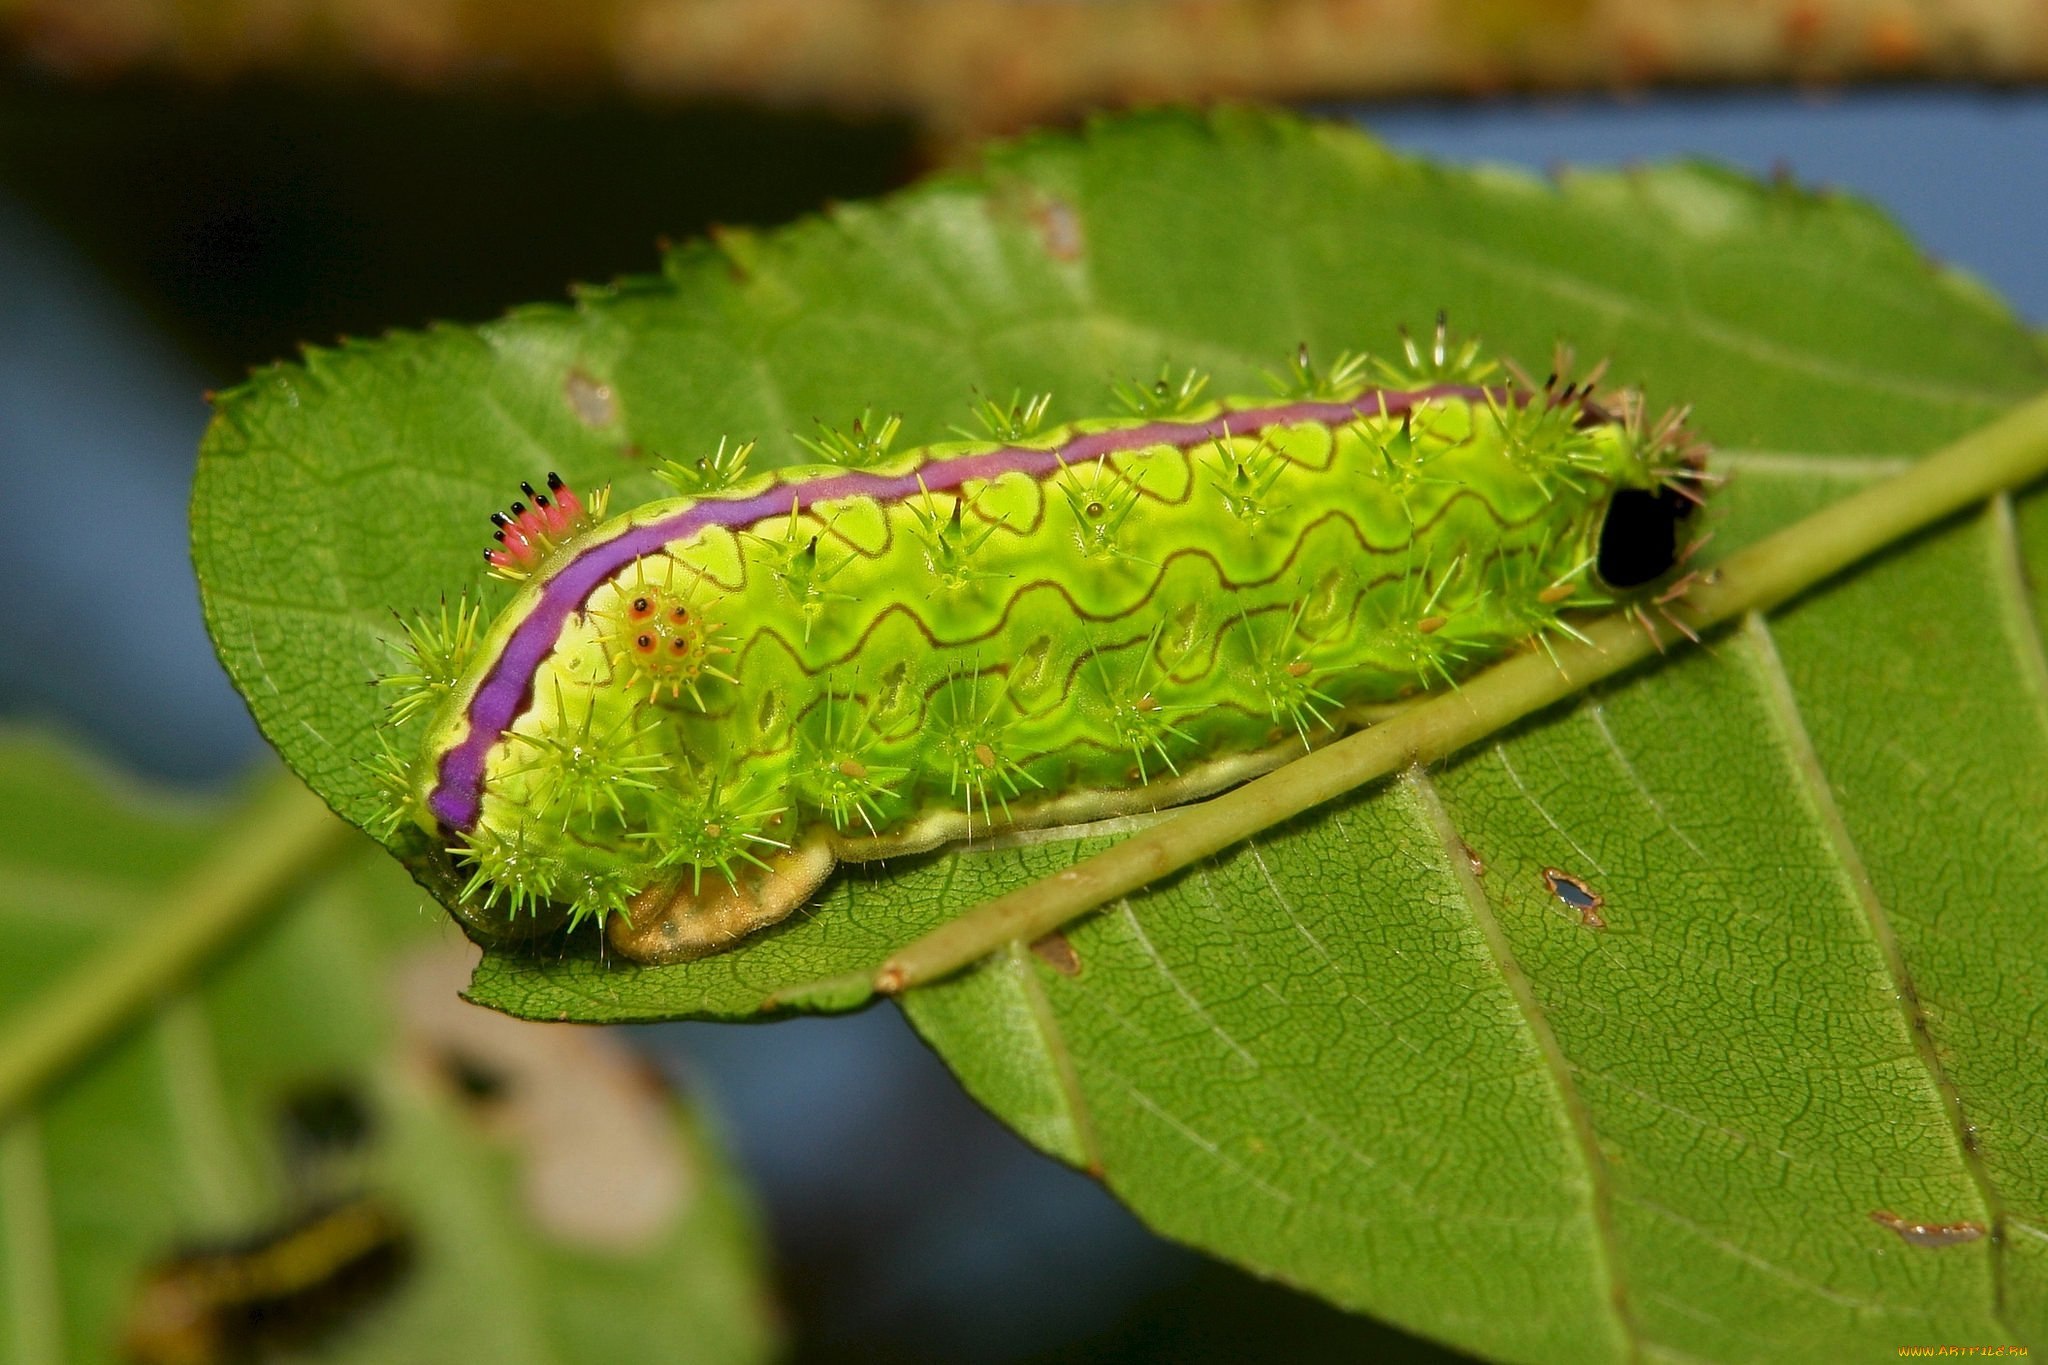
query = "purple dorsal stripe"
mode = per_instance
[{"x": 457, "y": 797}]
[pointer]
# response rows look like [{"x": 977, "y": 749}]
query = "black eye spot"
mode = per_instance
[
  {"x": 643, "y": 643},
  {"x": 1639, "y": 536}
]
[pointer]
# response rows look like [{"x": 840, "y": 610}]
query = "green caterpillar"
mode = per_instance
[{"x": 690, "y": 712}]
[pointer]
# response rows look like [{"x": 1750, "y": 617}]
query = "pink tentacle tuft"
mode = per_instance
[{"x": 531, "y": 529}]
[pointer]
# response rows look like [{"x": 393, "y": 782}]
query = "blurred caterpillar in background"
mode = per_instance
[
  {"x": 281, "y": 1289},
  {"x": 297, "y": 1281}
]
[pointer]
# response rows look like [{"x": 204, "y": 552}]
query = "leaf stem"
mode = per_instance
[
  {"x": 2005, "y": 454},
  {"x": 283, "y": 833}
]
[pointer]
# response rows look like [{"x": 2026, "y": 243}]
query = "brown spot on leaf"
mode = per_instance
[
  {"x": 1927, "y": 1234},
  {"x": 591, "y": 399},
  {"x": 1576, "y": 895},
  {"x": 1059, "y": 228},
  {"x": 1058, "y": 953},
  {"x": 1472, "y": 858}
]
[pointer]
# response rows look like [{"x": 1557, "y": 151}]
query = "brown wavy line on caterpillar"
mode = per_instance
[
  {"x": 1336, "y": 516},
  {"x": 770, "y": 638},
  {"x": 928, "y": 697}
]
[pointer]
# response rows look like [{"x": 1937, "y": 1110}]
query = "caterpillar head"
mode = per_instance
[
  {"x": 1640, "y": 536},
  {"x": 1643, "y": 531}
]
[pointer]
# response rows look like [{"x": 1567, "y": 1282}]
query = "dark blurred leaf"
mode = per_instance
[
  {"x": 257, "y": 215},
  {"x": 182, "y": 1134}
]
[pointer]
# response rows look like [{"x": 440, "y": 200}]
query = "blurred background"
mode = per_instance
[{"x": 187, "y": 190}]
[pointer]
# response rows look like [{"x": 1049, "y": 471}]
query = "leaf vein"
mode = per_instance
[
  {"x": 1808, "y": 772},
  {"x": 2022, "y": 622},
  {"x": 1437, "y": 821},
  {"x": 1054, "y": 1039}
]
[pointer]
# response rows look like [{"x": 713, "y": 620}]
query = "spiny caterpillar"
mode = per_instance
[{"x": 690, "y": 712}]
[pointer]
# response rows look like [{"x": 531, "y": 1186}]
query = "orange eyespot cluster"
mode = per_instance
[{"x": 658, "y": 637}]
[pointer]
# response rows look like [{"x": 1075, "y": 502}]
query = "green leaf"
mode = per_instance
[
  {"x": 1343, "y": 1054},
  {"x": 172, "y": 1136}
]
